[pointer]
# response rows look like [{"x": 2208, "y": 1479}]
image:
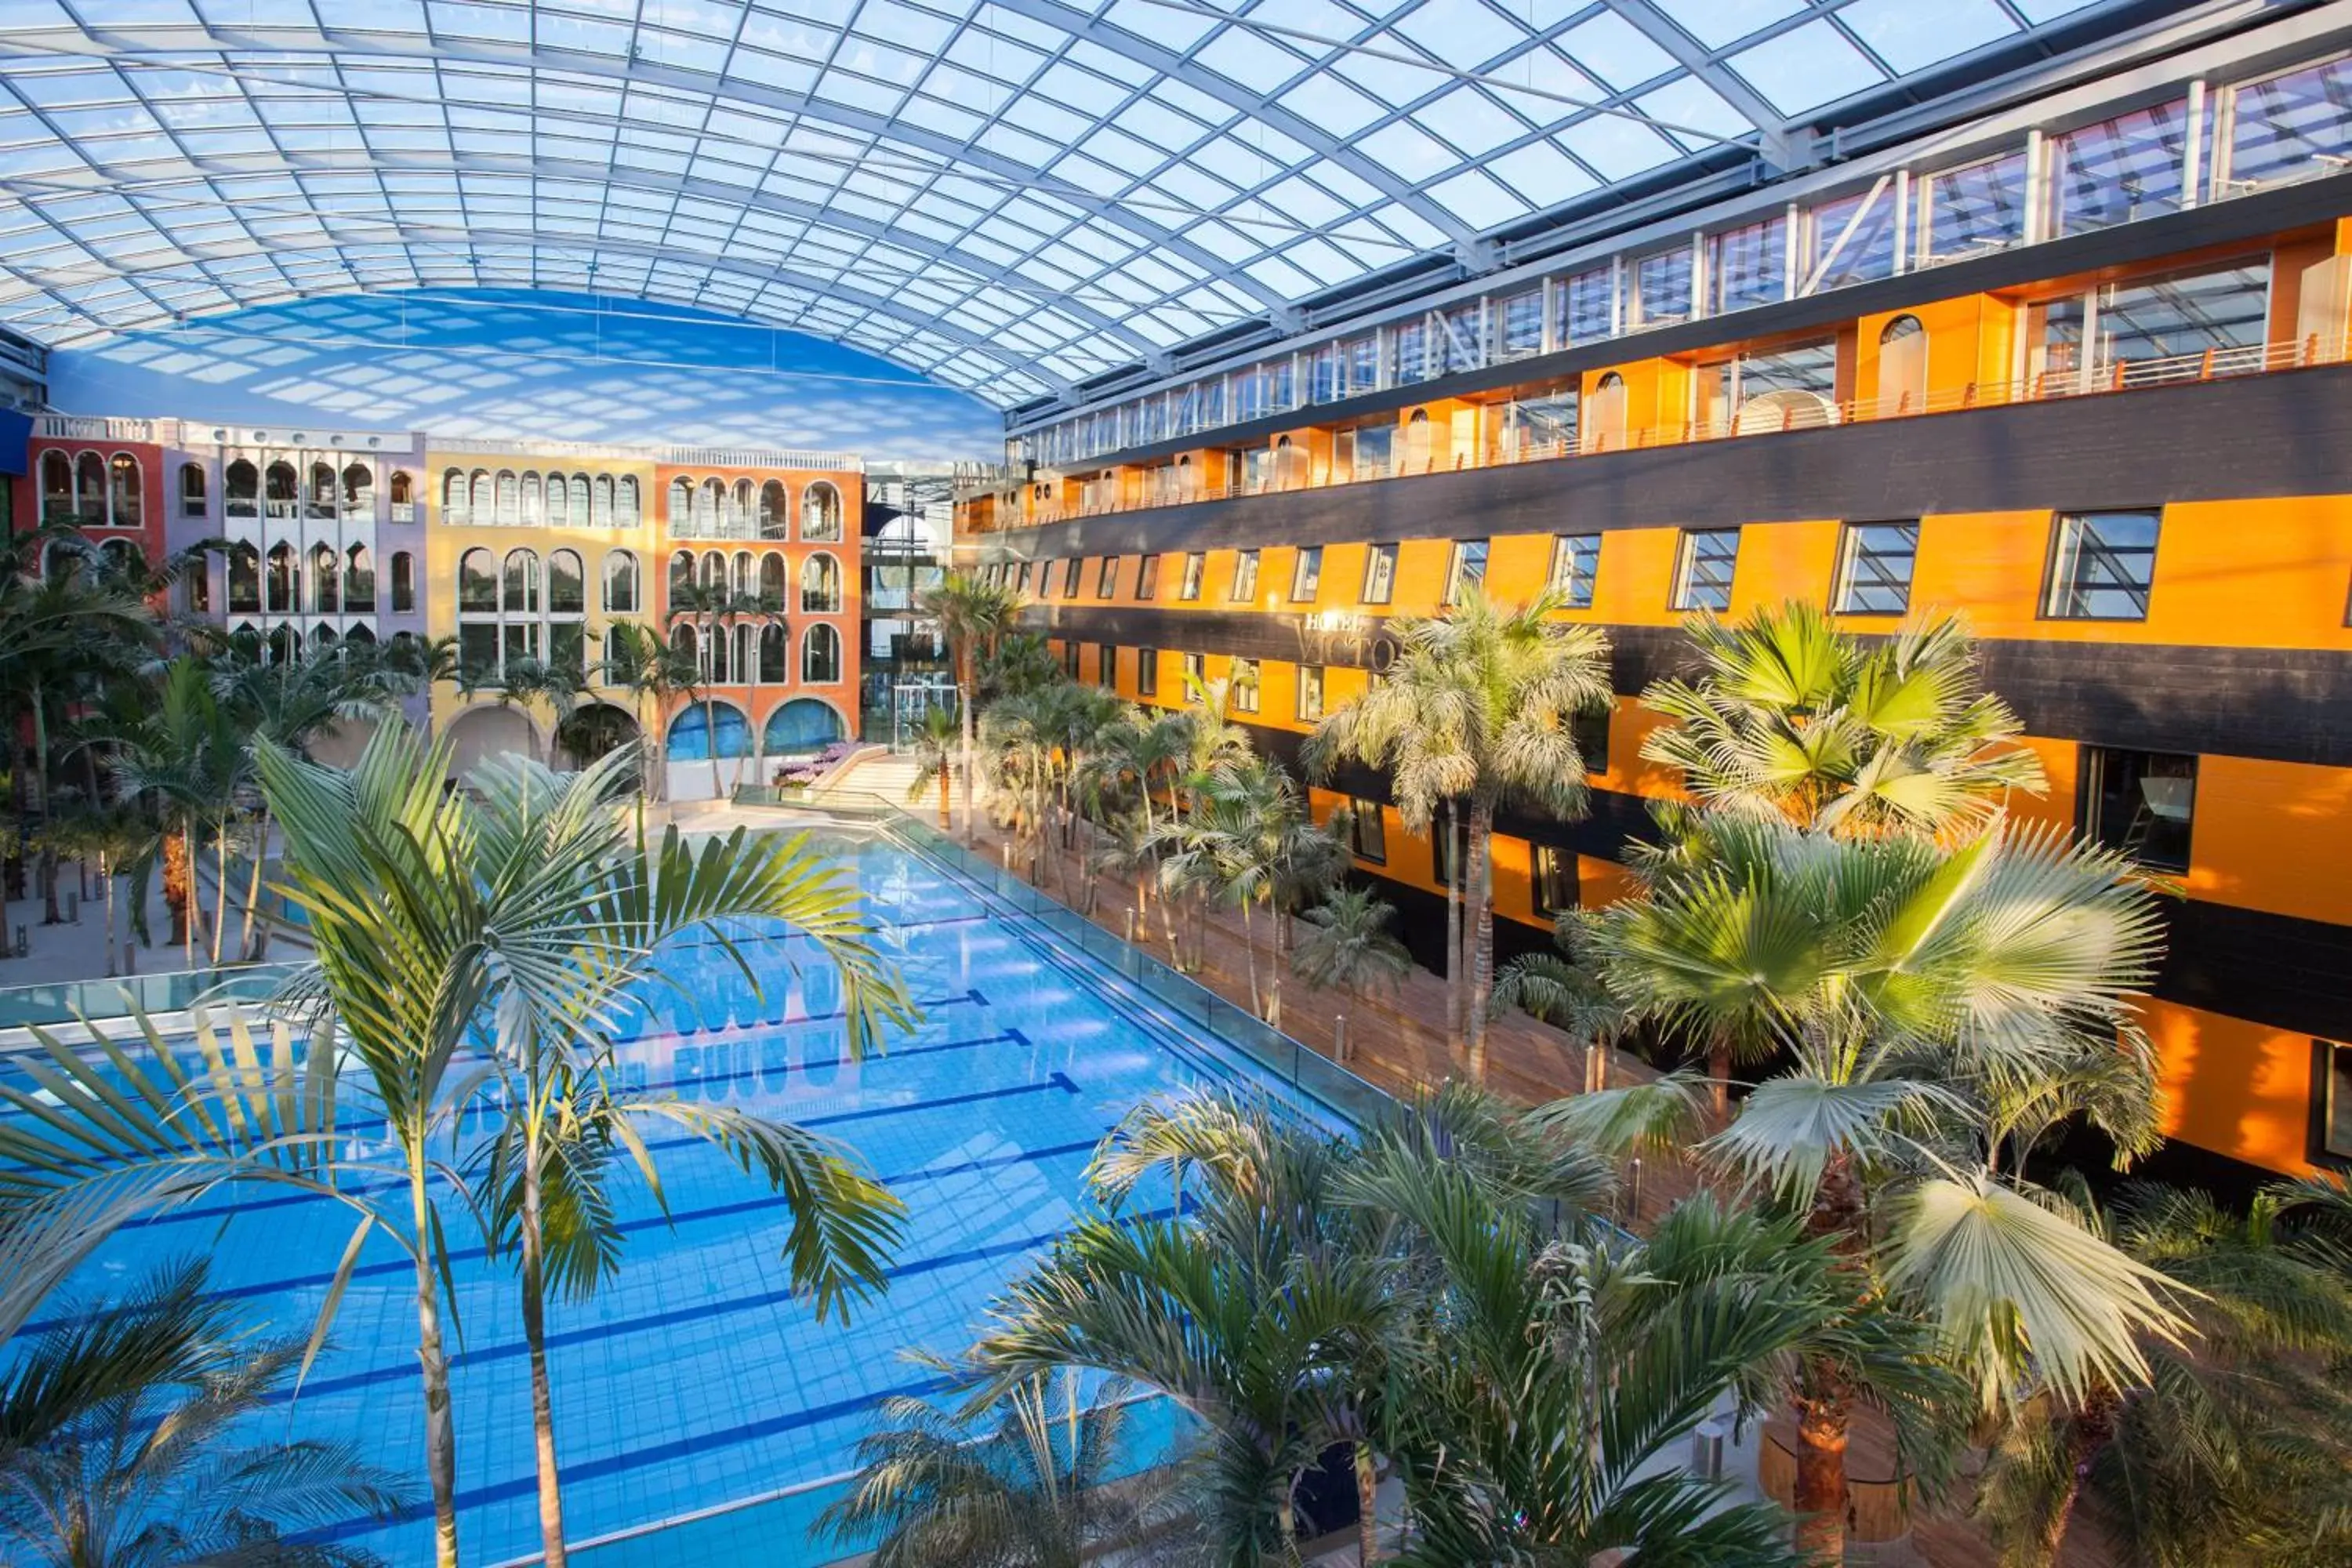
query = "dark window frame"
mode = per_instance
[
  {"x": 1580, "y": 587},
  {"x": 2090, "y": 790},
  {"x": 1196, "y": 571},
  {"x": 1680, "y": 593},
  {"x": 2321, "y": 1152},
  {"x": 1370, "y": 846},
  {"x": 1298, "y": 699},
  {"x": 1564, "y": 867},
  {"x": 1849, "y": 537},
  {"x": 2075, "y": 591},
  {"x": 1372, "y": 556},
  {"x": 1237, "y": 684},
  {"x": 1147, "y": 577},
  {"x": 1459, "y": 559},
  {"x": 1244, "y": 588},
  {"x": 1147, "y": 672},
  {"x": 1106, "y": 578},
  {"x": 1298, "y": 572}
]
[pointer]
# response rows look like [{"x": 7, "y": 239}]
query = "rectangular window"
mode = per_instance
[
  {"x": 1590, "y": 731},
  {"x": 1588, "y": 310},
  {"x": 2293, "y": 126},
  {"x": 1190, "y": 588},
  {"x": 2333, "y": 1093},
  {"x": 1469, "y": 573},
  {"x": 1852, "y": 241},
  {"x": 2140, "y": 804},
  {"x": 1242, "y": 686},
  {"x": 1809, "y": 368},
  {"x": 2119, "y": 170},
  {"x": 1196, "y": 676},
  {"x": 1380, "y": 573},
  {"x": 1022, "y": 587},
  {"x": 1522, "y": 324},
  {"x": 1307, "y": 575},
  {"x": 1070, "y": 659},
  {"x": 2102, "y": 566},
  {"x": 477, "y": 649},
  {"x": 1244, "y": 576},
  {"x": 1575, "y": 566},
  {"x": 1968, "y": 211},
  {"x": 1107, "y": 577},
  {"x": 1147, "y": 577},
  {"x": 1372, "y": 450},
  {"x": 1874, "y": 568},
  {"x": 2177, "y": 326},
  {"x": 1310, "y": 692},
  {"x": 1147, "y": 672},
  {"x": 1662, "y": 288},
  {"x": 1555, "y": 879},
  {"x": 1747, "y": 266},
  {"x": 1409, "y": 352},
  {"x": 1368, "y": 836},
  {"x": 1070, "y": 570},
  {"x": 1105, "y": 665},
  {"x": 1703, "y": 578}
]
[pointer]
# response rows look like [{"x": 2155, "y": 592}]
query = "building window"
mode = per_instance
[
  {"x": 2102, "y": 566},
  {"x": 1147, "y": 577},
  {"x": 1071, "y": 570},
  {"x": 1107, "y": 577},
  {"x": 403, "y": 582},
  {"x": 821, "y": 514},
  {"x": 1380, "y": 573},
  {"x": 2140, "y": 804},
  {"x": 1196, "y": 676},
  {"x": 2333, "y": 1095},
  {"x": 1070, "y": 659},
  {"x": 1703, "y": 577},
  {"x": 1447, "y": 850},
  {"x": 1555, "y": 887},
  {"x": 192, "y": 489},
  {"x": 1310, "y": 692},
  {"x": 1874, "y": 568},
  {"x": 1105, "y": 665},
  {"x": 2288, "y": 127},
  {"x": 820, "y": 654},
  {"x": 1575, "y": 566},
  {"x": 1242, "y": 686},
  {"x": 1244, "y": 576},
  {"x": 1662, "y": 288},
  {"x": 1194, "y": 565},
  {"x": 1021, "y": 584},
  {"x": 1147, "y": 672},
  {"x": 1307, "y": 576},
  {"x": 1368, "y": 837},
  {"x": 1590, "y": 731},
  {"x": 1467, "y": 574}
]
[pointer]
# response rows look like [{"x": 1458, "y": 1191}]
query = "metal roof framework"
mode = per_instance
[{"x": 1010, "y": 196}]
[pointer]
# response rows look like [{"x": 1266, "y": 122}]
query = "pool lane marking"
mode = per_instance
[
  {"x": 1058, "y": 1080},
  {"x": 226, "y": 1211},
  {"x": 971, "y": 996},
  {"x": 370, "y": 1377},
  {"x": 727, "y": 1436}
]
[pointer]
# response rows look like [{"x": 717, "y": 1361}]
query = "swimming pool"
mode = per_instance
[{"x": 695, "y": 1381}]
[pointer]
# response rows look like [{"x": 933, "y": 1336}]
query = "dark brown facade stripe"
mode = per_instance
[
  {"x": 2285, "y": 434},
  {"x": 2289, "y": 705}
]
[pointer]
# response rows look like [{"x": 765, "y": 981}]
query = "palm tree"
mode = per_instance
[
  {"x": 1910, "y": 985},
  {"x": 536, "y": 911},
  {"x": 654, "y": 671},
  {"x": 117, "y": 1448},
  {"x": 938, "y": 747},
  {"x": 1019, "y": 734},
  {"x": 1347, "y": 949},
  {"x": 1141, "y": 753},
  {"x": 702, "y": 606},
  {"x": 114, "y": 838},
  {"x": 972, "y": 615},
  {"x": 1022, "y": 1485},
  {"x": 1478, "y": 709},
  {"x": 181, "y": 755},
  {"x": 2235, "y": 1454},
  {"x": 1566, "y": 990},
  {"x": 1792, "y": 718}
]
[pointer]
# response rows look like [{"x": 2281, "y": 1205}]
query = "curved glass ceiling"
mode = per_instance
[{"x": 1011, "y": 196}]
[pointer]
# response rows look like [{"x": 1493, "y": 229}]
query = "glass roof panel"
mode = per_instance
[{"x": 1004, "y": 195}]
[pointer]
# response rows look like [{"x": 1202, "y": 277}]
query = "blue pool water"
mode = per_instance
[{"x": 695, "y": 1378}]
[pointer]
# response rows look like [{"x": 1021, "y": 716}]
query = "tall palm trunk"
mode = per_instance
[
  {"x": 1249, "y": 957},
  {"x": 534, "y": 1333},
  {"x": 2092, "y": 1429},
  {"x": 1367, "y": 1524},
  {"x": 440, "y": 1430},
  {"x": 1481, "y": 885},
  {"x": 1453, "y": 935},
  {"x": 106, "y": 875},
  {"x": 188, "y": 896},
  {"x": 1274, "y": 969},
  {"x": 220, "y": 886},
  {"x": 965, "y": 697},
  {"x": 250, "y": 942},
  {"x": 711, "y": 739},
  {"x": 175, "y": 885},
  {"x": 1824, "y": 1400},
  {"x": 1719, "y": 1072},
  {"x": 46, "y": 867}
]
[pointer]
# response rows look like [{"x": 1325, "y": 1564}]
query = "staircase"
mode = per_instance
[{"x": 879, "y": 774}]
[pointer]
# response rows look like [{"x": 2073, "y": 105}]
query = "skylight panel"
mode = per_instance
[
  {"x": 1391, "y": 81},
  {"x": 1909, "y": 36},
  {"x": 988, "y": 54},
  {"x": 1007, "y": 141},
  {"x": 1716, "y": 23},
  {"x": 1805, "y": 68},
  {"x": 500, "y": 24},
  {"x": 1183, "y": 184},
  {"x": 1470, "y": 121},
  {"x": 1463, "y": 33},
  {"x": 1251, "y": 59},
  {"x": 843, "y": 87},
  {"x": 1407, "y": 152},
  {"x": 1610, "y": 49},
  {"x": 1541, "y": 175},
  {"x": 1616, "y": 148},
  {"x": 1047, "y": 118},
  {"x": 1690, "y": 102}
]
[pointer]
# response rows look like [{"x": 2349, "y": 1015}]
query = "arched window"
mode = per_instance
[
  {"x": 714, "y": 572},
  {"x": 775, "y": 664},
  {"x": 120, "y": 558},
  {"x": 620, "y": 583},
  {"x": 567, "y": 587},
  {"x": 746, "y": 671},
  {"x": 1903, "y": 367},
  {"x": 686, "y": 641},
  {"x": 244, "y": 488},
  {"x": 323, "y": 490},
  {"x": 774, "y": 523},
  {"x": 744, "y": 510},
  {"x": 478, "y": 583},
  {"x": 244, "y": 580},
  {"x": 326, "y": 580},
  {"x": 627, "y": 514},
  {"x": 196, "y": 589},
  {"x": 1418, "y": 447},
  {"x": 359, "y": 487},
  {"x": 403, "y": 493},
  {"x": 773, "y": 567},
  {"x": 285, "y": 644},
  {"x": 558, "y": 500},
  {"x": 126, "y": 495},
  {"x": 602, "y": 516},
  {"x": 821, "y": 514},
  {"x": 359, "y": 580},
  {"x": 534, "y": 505},
  {"x": 322, "y": 637},
  {"x": 456, "y": 499},
  {"x": 681, "y": 505},
  {"x": 277, "y": 491},
  {"x": 521, "y": 592},
  {"x": 1603, "y": 423},
  {"x": 576, "y": 511},
  {"x": 681, "y": 576},
  {"x": 821, "y": 585},
  {"x": 360, "y": 633},
  {"x": 57, "y": 487},
  {"x": 747, "y": 575},
  {"x": 483, "y": 504},
  {"x": 403, "y": 582},
  {"x": 820, "y": 654},
  {"x": 707, "y": 502},
  {"x": 89, "y": 487},
  {"x": 192, "y": 489},
  {"x": 279, "y": 599},
  {"x": 509, "y": 498},
  {"x": 714, "y": 653}
]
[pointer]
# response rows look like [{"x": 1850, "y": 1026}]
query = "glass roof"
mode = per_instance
[{"x": 1011, "y": 196}]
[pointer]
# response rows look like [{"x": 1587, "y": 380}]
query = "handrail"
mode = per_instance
[{"x": 2097, "y": 379}]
